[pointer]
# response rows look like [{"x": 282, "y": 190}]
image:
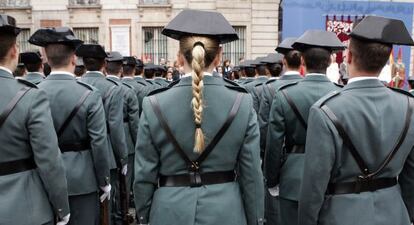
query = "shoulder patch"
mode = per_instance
[
  {"x": 159, "y": 90},
  {"x": 328, "y": 97},
  {"x": 401, "y": 91},
  {"x": 27, "y": 83},
  {"x": 338, "y": 85},
  {"x": 88, "y": 86},
  {"x": 172, "y": 84},
  {"x": 230, "y": 82},
  {"x": 271, "y": 81},
  {"x": 288, "y": 85},
  {"x": 128, "y": 85},
  {"x": 114, "y": 82}
]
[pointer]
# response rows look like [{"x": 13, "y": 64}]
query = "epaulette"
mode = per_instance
[
  {"x": 326, "y": 98},
  {"x": 88, "y": 86},
  {"x": 172, "y": 84},
  {"x": 114, "y": 82},
  {"x": 288, "y": 85},
  {"x": 27, "y": 83},
  {"x": 159, "y": 90},
  {"x": 338, "y": 85},
  {"x": 139, "y": 82},
  {"x": 128, "y": 85},
  {"x": 247, "y": 82},
  {"x": 230, "y": 82},
  {"x": 271, "y": 81},
  {"x": 401, "y": 91}
]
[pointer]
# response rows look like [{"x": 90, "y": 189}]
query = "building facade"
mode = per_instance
[{"x": 133, "y": 27}]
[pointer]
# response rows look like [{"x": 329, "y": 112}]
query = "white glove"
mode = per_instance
[
  {"x": 274, "y": 191},
  {"x": 64, "y": 221},
  {"x": 106, "y": 194},
  {"x": 124, "y": 170}
]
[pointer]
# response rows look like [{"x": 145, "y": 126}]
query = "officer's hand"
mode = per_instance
[
  {"x": 106, "y": 194},
  {"x": 124, "y": 170},
  {"x": 64, "y": 221}
]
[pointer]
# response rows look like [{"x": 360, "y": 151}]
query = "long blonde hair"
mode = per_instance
[{"x": 200, "y": 52}]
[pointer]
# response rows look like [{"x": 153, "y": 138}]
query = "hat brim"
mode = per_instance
[
  {"x": 302, "y": 47},
  {"x": 221, "y": 38},
  {"x": 10, "y": 29},
  {"x": 362, "y": 38}
]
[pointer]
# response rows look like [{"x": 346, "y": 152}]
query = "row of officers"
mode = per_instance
[{"x": 205, "y": 150}]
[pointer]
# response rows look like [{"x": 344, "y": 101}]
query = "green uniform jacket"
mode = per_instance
[
  {"x": 285, "y": 131},
  {"x": 139, "y": 87},
  {"x": 373, "y": 116},
  {"x": 35, "y": 78},
  {"x": 254, "y": 91},
  {"x": 236, "y": 203},
  {"x": 113, "y": 101},
  {"x": 268, "y": 94},
  {"x": 131, "y": 114},
  {"x": 86, "y": 170},
  {"x": 32, "y": 196},
  {"x": 161, "y": 82}
]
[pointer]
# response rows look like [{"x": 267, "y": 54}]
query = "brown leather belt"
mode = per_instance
[
  {"x": 75, "y": 147},
  {"x": 195, "y": 179},
  {"x": 17, "y": 166},
  {"x": 362, "y": 185},
  {"x": 296, "y": 149}
]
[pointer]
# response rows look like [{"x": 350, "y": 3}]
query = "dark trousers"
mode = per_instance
[
  {"x": 288, "y": 211},
  {"x": 115, "y": 205},
  {"x": 272, "y": 212},
  {"x": 84, "y": 209},
  {"x": 130, "y": 174}
]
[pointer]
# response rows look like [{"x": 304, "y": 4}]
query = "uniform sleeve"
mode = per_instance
[
  {"x": 46, "y": 153},
  {"x": 96, "y": 125},
  {"x": 319, "y": 160},
  {"x": 263, "y": 117},
  {"x": 146, "y": 169},
  {"x": 133, "y": 115},
  {"x": 274, "y": 142},
  {"x": 256, "y": 98},
  {"x": 250, "y": 173},
  {"x": 406, "y": 180},
  {"x": 116, "y": 126}
]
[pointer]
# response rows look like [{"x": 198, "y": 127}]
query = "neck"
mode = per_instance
[
  {"x": 292, "y": 69},
  {"x": 68, "y": 69},
  {"x": 353, "y": 73},
  {"x": 8, "y": 66}
]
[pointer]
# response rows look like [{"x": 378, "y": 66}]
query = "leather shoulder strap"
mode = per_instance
[
  {"x": 294, "y": 108},
  {"x": 73, "y": 113},
  {"x": 12, "y": 104},
  {"x": 271, "y": 90},
  {"x": 232, "y": 114},
  {"x": 346, "y": 139},
  {"x": 157, "y": 110}
]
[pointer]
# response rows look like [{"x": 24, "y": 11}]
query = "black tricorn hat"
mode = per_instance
[
  {"x": 258, "y": 61},
  {"x": 58, "y": 35},
  {"x": 286, "y": 45},
  {"x": 30, "y": 58},
  {"x": 139, "y": 63},
  {"x": 201, "y": 23},
  {"x": 247, "y": 64},
  {"x": 8, "y": 25},
  {"x": 91, "y": 51},
  {"x": 114, "y": 57},
  {"x": 150, "y": 66},
  {"x": 273, "y": 58},
  {"x": 318, "y": 39},
  {"x": 129, "y": 60},
  {"x": 382, "y": 30}
]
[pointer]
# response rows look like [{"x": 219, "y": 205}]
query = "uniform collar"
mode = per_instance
[
  {"x": 316, "y": 77},
  {"x": 94, "y": 74},
  {"x": 61, "y": 73},
  {"x": 356, "y": 79},
  {"x": 364, "y": 83},
  {"x": 113, "y": 77},
  {"x": 291, "y": 72},
  {"x": 35, "y": 74},
  {"x": 6, "y": 69},
  {"x": 189, "y": 75},
  {"x": 207, "y": 80}
]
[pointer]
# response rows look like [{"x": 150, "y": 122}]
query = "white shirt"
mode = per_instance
[
  {"x": 6, "y": 69},
  {"x": 61, "y": 72},
  {"x": 355, "y": 79},
  {"x": 332, "y": 72},
  {"x": 112, "y": 76},
  {"x": 291, "y": 72},
  {"x": 95, "y": 72},
  {"x": 189, "y": 74}
]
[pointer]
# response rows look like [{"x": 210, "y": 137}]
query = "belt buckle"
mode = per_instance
[
  {"x": 362, "y": 184},
  {"x": 195, "y": 179}
]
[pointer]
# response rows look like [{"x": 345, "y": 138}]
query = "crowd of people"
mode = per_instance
[{"x": 87, "y": 134}]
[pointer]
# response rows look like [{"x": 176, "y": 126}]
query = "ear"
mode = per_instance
[
  {"x": 180, "y": 59},
  {"x": 218, "y": 58},
  {"x": 302, "y": 60},
  {"x": 349, "y": 57},
  {"x": 14, "y": 52},
  {"x": 73, "y": 60}
]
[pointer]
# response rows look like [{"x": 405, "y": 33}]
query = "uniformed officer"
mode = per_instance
[
  {"x": 261, "y": 77},
  {"x": 360, "y": 140},
  {"x": 79, "y": 122},
  {"x": 249, "y": 70},
  {"x": 113, "y": 100},
  {"x": 20, "y": 70},
  {"x": 158, "y": 76},
  {"x": 32, "y": 178},
  {"x": 34, "y": 66},
  {"x": 139, "y": 84},
  {"x": 139, "y": 70},
  {"x": 80, "y": 69},
  {"x": 288, "y": 120},
  {"x": 131, "y": 119},
  {"x": 291, "y": 67},
  {"x": 195, "y": 174}
]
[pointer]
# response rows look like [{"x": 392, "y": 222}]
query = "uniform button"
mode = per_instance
[{"x": 60, "y": 210}]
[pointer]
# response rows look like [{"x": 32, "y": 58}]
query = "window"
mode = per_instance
[
  {"x": 23, "y": 41},
  {"x": 83, "y": 2},
  {"x": 154, "y": 44},
  {"x": 88, "y": 35},
  {"x": 236, "y": 50},
  {"x": 153, "y": 2},
  {"x": 14, "y": 3}
]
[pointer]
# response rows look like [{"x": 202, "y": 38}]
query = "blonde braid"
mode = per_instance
[{"x": 198, "y": 55}]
